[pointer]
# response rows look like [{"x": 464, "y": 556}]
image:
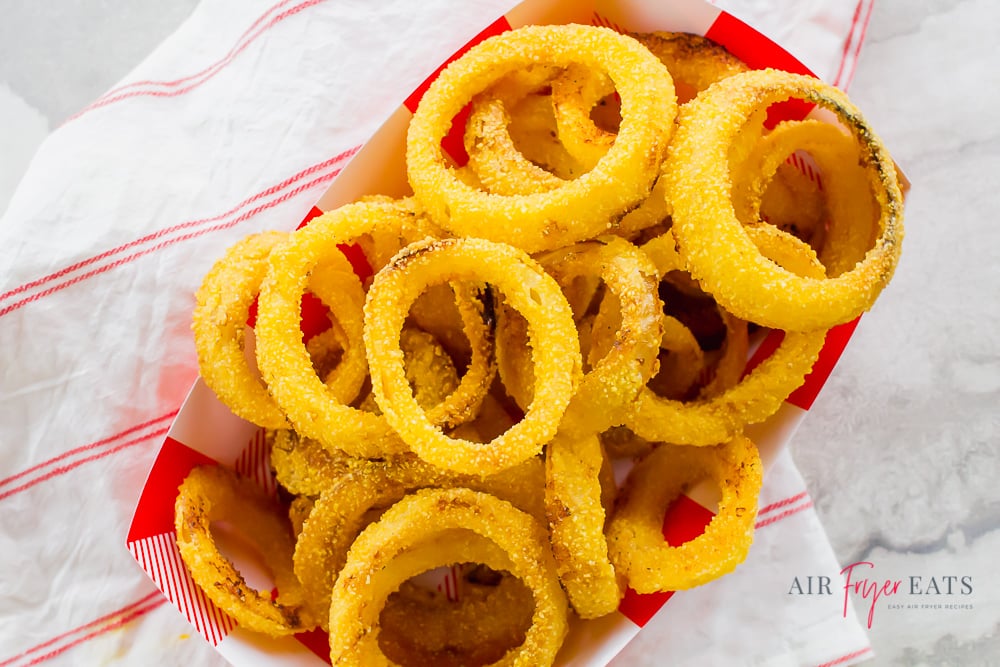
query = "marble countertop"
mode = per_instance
[{"x": 900, "y": 452}]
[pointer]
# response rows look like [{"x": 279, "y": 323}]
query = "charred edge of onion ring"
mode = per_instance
[
  {"x": 613, "y": 382},
  {"x": 214, "y": 493},
  {"x": 711, "y": 238}
]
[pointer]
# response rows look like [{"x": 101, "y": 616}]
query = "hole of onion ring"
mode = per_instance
[
  {"x": 244, "y": 556},
  {"x": 606, "y": 114},
  {"x": 436, "y": 312},
  {"x": 699, "y": 314},
  {"x": 466, "y": 614}
]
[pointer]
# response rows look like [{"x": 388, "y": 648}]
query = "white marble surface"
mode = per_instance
[{"x": 900, "y": 451}]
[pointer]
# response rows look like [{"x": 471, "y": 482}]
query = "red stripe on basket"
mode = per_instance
[
  {"x": 81, "y": 628},
  {"x": 846, "y": 658},
  {"x": 167, "y": 570},
  {"x": 172, "y": 575},
  {"x": 55, "y": 472},
  {"x": 848, "y": 41},
  {"x": 272, "y": 190},
  {"x": 783, "y": 515},
  {"x": 154, "y": 514},
  {"x": 753, "y": 48},
  {"x": 497, "y": 27},
  {"x": 604, "y": 22},
  {"x": 316, "y": 641},
  {"x": 255, "y": 462},
  {"x": 836, "y": 341},
  {"x": 211, "y": 72},
  {"x": 759, "y": 52},
  {"x": 103, "y": 442}
]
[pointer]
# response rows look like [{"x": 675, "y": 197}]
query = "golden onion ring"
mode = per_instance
[
  {"x": 615, "y": 379},
  {"x": 462, "y": 526},
  {"x": 219, "y": 320},
  {"x": 582, "y": 207},
  {"x": 283, "y": 359},
  {"x": 527, "y": 287},
  {"x": 711, "y": 419},
  {"x": 576, "y": 513},
  {"x": 635, "y": 532},
  {"x": 711, "y": 238},
  {"x": 213, "y": 493}
]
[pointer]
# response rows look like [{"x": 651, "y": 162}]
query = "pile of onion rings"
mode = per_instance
[{"x": 583, "y": 292}]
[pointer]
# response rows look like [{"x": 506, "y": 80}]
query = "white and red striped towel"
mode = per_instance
[{"x": 235, "y": 124}]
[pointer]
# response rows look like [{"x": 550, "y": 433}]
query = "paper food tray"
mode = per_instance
[{"x": 206, "y": 431}]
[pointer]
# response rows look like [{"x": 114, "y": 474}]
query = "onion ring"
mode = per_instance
[
  {"x": 219, "y": 321},
  {"x": 573, "y": 500},
  {"x": 214, "y": 493},
  {"x": 582, "y": 207},
  {"x": 613, "y": 382},
  {"x": 694, "y": 62},
  {"x": 712, "y": 419},
  {"x": 848, "y": 196},
  {"x": 284, "y": 361},
  {"x": 635, "y": 532},
  {"x": 712, "y": 239},
  {"x": 529, "y": 289},
  {"x": 389, "y": 552}
]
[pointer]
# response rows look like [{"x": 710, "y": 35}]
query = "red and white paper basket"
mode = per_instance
[{"x": 205, "y": 431}]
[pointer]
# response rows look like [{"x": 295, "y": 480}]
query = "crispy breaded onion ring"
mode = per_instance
[
  {"x": 635, "y": 533},
  {"x": 718, "y": 417},
  {"x": 283, "y": 359},
  {"x": 433, "y": 528},
  {"x": 573, "y": 500},
  {"x": 618, "y": 376},
  {"x": 849, "y": 202},
  {"x": 526, "y": 287},
  {"x": 574, "y": 94},
  {"x": 694, "y": 63},
  {"x": 222, "y": 306},
  {"x": 304, "y": 467},
  {"x": 214, "y": 493},
  {"x": 582, "y": 207},
  {"x": 718, "y": 252},
  {"x": 353, "y": 488}
]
